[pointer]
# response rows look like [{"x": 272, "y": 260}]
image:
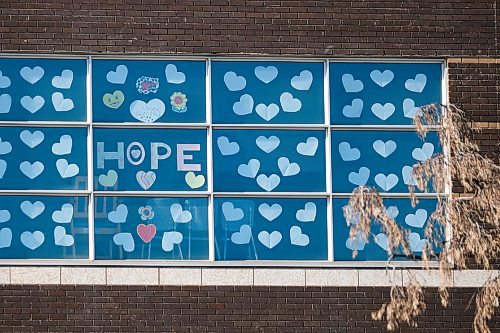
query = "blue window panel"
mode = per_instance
[
  {"x": 270, "y": 229},
  {"x": 151, "y": 228},
  {"x": 413, "y": 219},
  {"x": 43, "y": 89},
  {"x": 48, "y": 158},
  {"x": 43, "y": 227},
  {"x": 148, "y": 91},
  {"x": 381, "y": 159},
  {"x": 269, "y": 160},
  {"x": 249, "y": 92},
  {"x": 150, "y": 159},
  {"x": 382, "y": 93}
]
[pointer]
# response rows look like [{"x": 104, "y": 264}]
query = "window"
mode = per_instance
[{"x": 206, "y": 159}]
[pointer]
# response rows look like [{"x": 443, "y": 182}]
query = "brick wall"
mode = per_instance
[
  {"x": 32, "y": 308},
  {"x": 313, "y": 27}
]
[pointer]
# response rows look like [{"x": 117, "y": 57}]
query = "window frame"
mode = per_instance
[{"x": 91, "y": 194}]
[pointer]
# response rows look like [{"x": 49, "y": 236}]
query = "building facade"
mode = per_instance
[{"x": 181, "y": 166}]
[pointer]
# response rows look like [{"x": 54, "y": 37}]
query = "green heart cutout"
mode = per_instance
[
  {"x": 114, "y": 100},
  {"x": 194, "y": 181}
]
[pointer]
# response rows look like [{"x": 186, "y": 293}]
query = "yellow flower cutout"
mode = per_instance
[{"x": 178, "y": 101}]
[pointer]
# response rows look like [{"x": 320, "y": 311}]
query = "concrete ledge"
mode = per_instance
[{"x": 195, "y": 276}]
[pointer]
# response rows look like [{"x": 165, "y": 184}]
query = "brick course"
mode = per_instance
[{"x": 35, "y": 308}]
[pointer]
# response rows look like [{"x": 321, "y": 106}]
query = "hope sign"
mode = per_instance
[
  {"x": 136, "y": 154},
  {"x": 134, "y": 159}
]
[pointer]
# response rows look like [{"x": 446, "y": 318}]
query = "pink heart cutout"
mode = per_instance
[{"x": 146, "y": 232}]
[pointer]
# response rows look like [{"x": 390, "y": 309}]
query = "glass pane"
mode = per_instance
[
  {"x": 412, "y": 219},
  {"x": 270, "y": 229},
  {"x": 150, "y": 159},
  {"x": 382, "y": 93},
  {"x": 382, "y": 159},
  {"x": 151, "y": 228},
  {"x": 148, "y": 91},
  {"x": 43, "y": 227},
  {"x": 43, "y": 158},
  {"x": 43, "y": 89},
  {"x": 269, "y": 160},
  {"x": 249, "y": 92}
]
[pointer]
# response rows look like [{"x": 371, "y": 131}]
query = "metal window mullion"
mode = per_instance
[
  {"x": 90, "y": 162},
  {"x": 328, "y": 161},
  {"x": 210, "y": 180}
]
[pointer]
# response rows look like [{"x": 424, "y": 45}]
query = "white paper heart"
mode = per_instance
[
  {"x": 3, "y": 168},
  {"x": 409, "y": 108},
  {"x": 32, "y": 210},
  {"x": 351, "y": 85},
  {"x": 179, "y": 215},
  {"x": 267, "y": 112},
  {"x": 5, "y": 103},
  {"x": 119, "y": 215},
  {"x": 32, "y": 104},
  {"x": 382, "y": 78},
  {"x": 268, "y": 183},
  {"x": 4, "y": 216},
  {"x": 5, "y": 147},
  {"x": 289, "y": 103},
  {"x": 64, "y": 80},
  {"x": 62, "y": 104},
  {"x": 347, "y": 153},
  {"x": 231, "y": 213},
  {"x": 171, "y": 238},
  {"x": 354, "y": 109},
  {"x": 250, "y": 169},
  {"x": 303, "y": 81},
  {"x": 383, "y": 111},
  {"x": 65, "y": 215},
  {"x": 32, "y": 75},
  {"x": 359, "y": 178},
  {"x": 408, "y": 176},
  {"x": 32, "y": 240},
  {"x": 147, "y": 112},
  {"x": 64, "y": 146},
  {"x": 309, "y": 147},
  {"x": 288, "y": 169},
  {"x": 266, "y": 74},
  {"x": 386, "y": 183},
  {"x": 357, "y": 243},
  {"x": 424, "y": 153},
  {"x": 61, "y": 238},
  {"x": 65, "y": 169},
  {"x": 418, "y": 219},
  {"x": 416, "y": 244},
  {"x": 226, "y": 147},
  {"x": 244, "y": 106},
  {"x": 119, "y": 76},
  {"x": 308, "y": 214},
  {"x": 243, "y": 236},
  {"x": 173, "y": 75},
  {"x": 4, "y": 81},
  {"x": 267, "y": 144},
  {"x": 125, "y": 240},
  {"x": 297, "y": 237},
  {"x": 417, "y": 84},
  {"x": 31, "y": 139},
  {"x": 31, "y": 170},
  {"x": 384, "y": 149},
  {"x": 269, "y": 240},
  {"x": 381, "y": 240},
  {"x": 270, "y": 213},
  {"x": 234, "y": 82},
  {"x": 5, "y": 238}
]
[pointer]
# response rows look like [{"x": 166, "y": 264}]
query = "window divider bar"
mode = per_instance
[{"x": 90, "y": 161}]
